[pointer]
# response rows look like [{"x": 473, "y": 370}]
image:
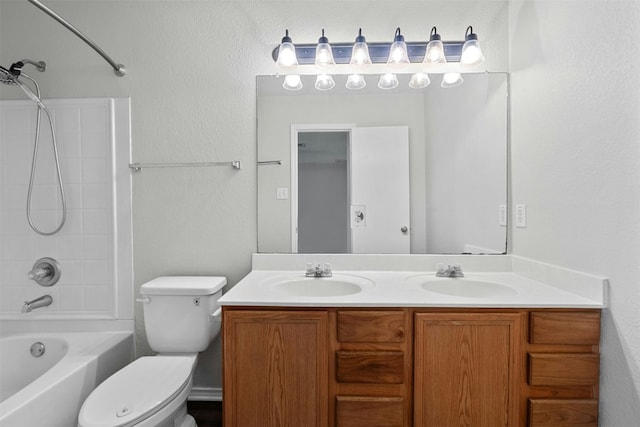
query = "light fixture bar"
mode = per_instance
[{"x": 379, "y": 52}]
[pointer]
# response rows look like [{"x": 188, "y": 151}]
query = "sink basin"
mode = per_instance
[
  {"x": 463, "y": 287},
  {"x": 338, "y": 285}
]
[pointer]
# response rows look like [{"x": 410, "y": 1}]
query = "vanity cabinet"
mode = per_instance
[
  {"x": 563, "y": 367},
  {"x": 276, "y": 368},
  {"x": 466, "y": 369},
  {"x": 402, "y": 367},
  {"x": 372, "y": 381}
]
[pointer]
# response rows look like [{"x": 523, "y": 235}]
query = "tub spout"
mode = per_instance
[{"x": 43, "y": 301}]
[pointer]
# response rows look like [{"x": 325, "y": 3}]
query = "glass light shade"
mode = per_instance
[
  {"x": 451, "y": 80},
  {"x": 292, "y": 82},
  {"x": 388, "y": 81},
  {"x": 287, "y": 55},
  {"x": 471, "y": 53},
  {"x": 434, "y": 53},
  {"x": 324, "y": 55},
  {"x": 398, "y": 56},
  {"x": 324, "y": 82},
  {"x": 355, "y": 82},
  {"x": 360, "y": 55},
  {"x": 419, "y": 81}
]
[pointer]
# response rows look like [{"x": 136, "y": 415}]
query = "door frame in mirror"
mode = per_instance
[{"x": 297, "y": 128}]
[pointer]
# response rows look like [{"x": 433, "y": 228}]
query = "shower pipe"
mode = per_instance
[{"x": 118, "y": 69}]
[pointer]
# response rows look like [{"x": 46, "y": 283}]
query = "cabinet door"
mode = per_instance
[
  {"x": 275, "y": 368},
  {"x": 465, "y": 373}
]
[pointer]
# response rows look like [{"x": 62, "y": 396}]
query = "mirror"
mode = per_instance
[{"x": 324, "y": 155}]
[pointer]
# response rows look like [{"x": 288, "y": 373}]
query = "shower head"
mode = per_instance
[{"x": 7, "y": 77}]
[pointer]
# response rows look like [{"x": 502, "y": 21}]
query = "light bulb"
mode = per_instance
[
  {"x": 360, "y": 52},
  {"x": 419, "y": 81},
  {"x": 324, "y": 54},
  {"x": 287, "y": 52},
  {"x": 324, "y": 82},
  {"x": 471, "y": 52},
  {"x": 292, "y": 82},
  {"x": 451, "y": 80},
  {"x": 388, "y": 81},
  {"x": 435, "y": 50},
  {"x": 355, "y": 82},
  {"x": 398, "y": 56}
]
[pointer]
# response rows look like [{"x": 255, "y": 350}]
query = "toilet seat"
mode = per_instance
[{"x": 138, "y": 391}]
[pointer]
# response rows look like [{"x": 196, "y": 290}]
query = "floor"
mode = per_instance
[{"x": 206, "y": 413}]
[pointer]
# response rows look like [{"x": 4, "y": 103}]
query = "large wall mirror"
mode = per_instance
[{"x": 383, "y": 171}]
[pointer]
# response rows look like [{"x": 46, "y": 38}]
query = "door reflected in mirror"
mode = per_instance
[{"x": 372, "y": 171}]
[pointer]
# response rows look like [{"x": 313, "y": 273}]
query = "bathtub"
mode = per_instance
[{"x": 49, "y": 390}]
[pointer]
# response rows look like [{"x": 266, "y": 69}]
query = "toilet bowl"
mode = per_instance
[{"x": 181, "y": 319}]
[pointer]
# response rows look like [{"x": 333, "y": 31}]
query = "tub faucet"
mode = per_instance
[
  {"x": 452, "y": 270},
  {"x": 316, "y": 270},
  {"x": 43, "y": 301}
]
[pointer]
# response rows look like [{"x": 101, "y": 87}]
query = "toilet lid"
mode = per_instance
[{"x": 136, "y": 391}]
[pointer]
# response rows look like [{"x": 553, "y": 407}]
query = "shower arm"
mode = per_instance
[{"x": 118, "y": 69}]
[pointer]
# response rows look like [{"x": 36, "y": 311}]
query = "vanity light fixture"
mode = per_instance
[
  {"x": 435, "y": 49},
  {"x": 355, "y": 82},
  {"x": 388, "y": 81},
  {"x": 360, "y": 52},
  {"x": 398, "y": 54},
  {"x": 451, "y": 80},
  {"x": 384, "y": 59},
  {"x": 286, "y": 57},
  {"x": 419, "y": 81},
  {"x": 471, "y": 52},
  {"x": 324, "y": 53},
  {"x": 324, "y": 82},
  {"x": 292, "y": 82}
]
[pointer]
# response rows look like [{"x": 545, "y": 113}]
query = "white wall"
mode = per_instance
[
  {"x": 192, "y": 68},
  {"x": 575, "y": 140}
]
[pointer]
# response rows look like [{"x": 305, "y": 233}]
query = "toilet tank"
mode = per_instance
[{"x": 177, "y": 312}]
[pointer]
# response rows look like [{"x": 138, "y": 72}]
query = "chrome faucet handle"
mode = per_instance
[
  {"x": 45, "y": 272},
  {"x": 326, "y": 270},
  {"x": 39, "y": 273}
]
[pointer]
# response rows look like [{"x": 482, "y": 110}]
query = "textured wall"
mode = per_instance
[
  {"x": 192, "y": 67},
  {"x": 576, "y": 164}
]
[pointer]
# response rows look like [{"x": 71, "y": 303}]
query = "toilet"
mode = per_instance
[{"x": 182, "y": 318}]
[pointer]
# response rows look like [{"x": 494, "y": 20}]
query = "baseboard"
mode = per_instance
[{"x": 206, "y": 394}]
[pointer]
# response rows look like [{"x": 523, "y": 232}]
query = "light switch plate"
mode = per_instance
[
  {"x": 282, "y": 193},
  {"x": 521, "y": 216}
]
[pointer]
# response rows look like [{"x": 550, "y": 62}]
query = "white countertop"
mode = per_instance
[{"x": 404, "y": 289}]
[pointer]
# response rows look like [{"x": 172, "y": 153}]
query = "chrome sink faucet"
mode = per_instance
[
  {"x": 317, "y": 270},
  {"x": 43, "y": 301},
  {"x": 452, "y": 270}
]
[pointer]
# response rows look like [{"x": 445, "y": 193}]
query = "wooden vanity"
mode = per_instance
[{"x": 410, "y": 366}]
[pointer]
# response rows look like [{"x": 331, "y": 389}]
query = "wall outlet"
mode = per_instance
[
  {"x": 282, "y": 193},
  {"x": 502, "y": 215},
  {"x": 521, "y": 216}
]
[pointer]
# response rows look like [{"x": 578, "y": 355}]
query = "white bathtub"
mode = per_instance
[{"x": 48, "y": 391}]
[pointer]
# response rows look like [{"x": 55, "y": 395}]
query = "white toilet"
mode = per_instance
[{"x": 181, "y": 319}]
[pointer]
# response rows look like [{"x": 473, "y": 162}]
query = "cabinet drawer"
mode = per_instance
[
  {"x": 563, "y": 369},
  {"x": 355, "y": 411},
  {"x": 371, "y": 326},
  {"x": 382, "y": 367},
  {"x": 565, "y": 328},
  {"x": 563, "y": 413}
]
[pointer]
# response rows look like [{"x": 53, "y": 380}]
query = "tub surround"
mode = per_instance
[{"x": 397, "y": 278}]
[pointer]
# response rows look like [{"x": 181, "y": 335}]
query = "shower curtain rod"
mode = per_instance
[{"x": 118, "y": 69}]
